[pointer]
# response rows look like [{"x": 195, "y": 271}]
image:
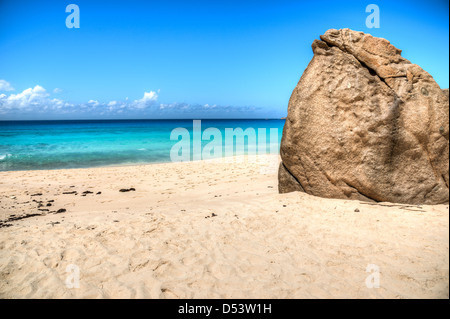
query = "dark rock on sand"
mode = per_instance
[
  {"x": 364, "y": 123},
  {"x": 15, "y": 218}
]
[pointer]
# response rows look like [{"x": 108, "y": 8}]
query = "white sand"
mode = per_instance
[{"x": 156, "y": 242}]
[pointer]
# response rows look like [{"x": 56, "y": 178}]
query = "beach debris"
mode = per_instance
[
  {"x": 357, "y": 210},
  {"x": 61, "y": 210},
  {"x": 69, "y": 193},
  {"x": 87, "y": 192},
  {"x": 37, "y": 194},
  {"x": 98, "y": 193},
  {"x": 53, "y": 223},
  {"x": 49, "y": 204},
  {"x": 399, "y": 206},
  {"x": 124, "y": 190},
  {"x": 412, "y": 208},
  {"x": 13, "y": 218}
]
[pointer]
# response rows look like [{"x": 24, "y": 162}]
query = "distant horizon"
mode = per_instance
[{"x": 173, "y": 119}]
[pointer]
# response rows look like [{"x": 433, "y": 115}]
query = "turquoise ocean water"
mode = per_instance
[{"x": 29, "y": 145}]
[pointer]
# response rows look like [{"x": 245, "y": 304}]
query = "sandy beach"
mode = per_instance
[{"x": 209, "y": 230}]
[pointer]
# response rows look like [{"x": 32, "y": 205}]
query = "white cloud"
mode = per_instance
[
  {"x": 57, "y": 103},
  {"x": 31, "y": 100},
  {"x": 57, "y": 90},
  {"x": 148, "y": 99},
  {"x": 29, "y": 97},
  {"x": 149, "y": 96},
  {"x": 94, "y": 103},
  {"x": 37, "y": 100},
  {"x": 5, "y": 86}
]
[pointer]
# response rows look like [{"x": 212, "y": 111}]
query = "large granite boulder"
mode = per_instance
[{"x": 365, "y": 123}]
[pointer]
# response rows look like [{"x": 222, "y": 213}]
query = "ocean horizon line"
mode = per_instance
[{"x": 183, "y": 119}]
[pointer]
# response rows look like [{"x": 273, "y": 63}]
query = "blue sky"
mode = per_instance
[{"x": 187, "y": 59}]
